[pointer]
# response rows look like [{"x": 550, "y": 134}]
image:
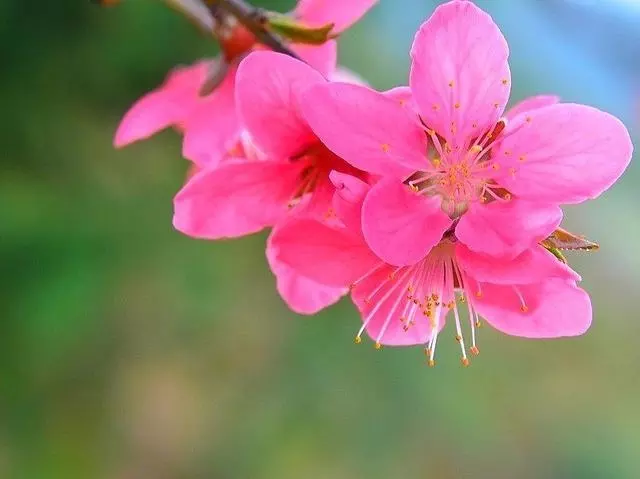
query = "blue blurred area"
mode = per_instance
[{"x": 128, "y": 351}]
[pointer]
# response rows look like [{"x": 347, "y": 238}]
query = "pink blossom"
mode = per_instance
[
  {"x": 457, "y": 165},
  {"x": 243, "y": 196},
  {"x": 210, "y": 123},
  {"x": 531, "y": 295}
]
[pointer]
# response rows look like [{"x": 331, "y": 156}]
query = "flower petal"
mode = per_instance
[
  {"x": 555, "y": 308},
  {"x": 531, "y": 266},
  {"x": 531, "y": 103},
  {"x": 328, "y": 255},
  {"x": 234, "y": 199},
  {"x": 459, "y": 72},
  {"x": 507, "y": 228},
  {"x": 367, "y": 129},
  {"x": 348, "y": 198},
  {"x": 323, "y": 58},
  {"x": 302, "y": 294},
  {"x": 168, "y": 105},
  {"x": 268, "y": 86},
  {"x": 317, "y": 13},
  {"x": 399, "y": 225},
  {"x": 564, "y": 153},
  {"x": 213, "y": 127}
]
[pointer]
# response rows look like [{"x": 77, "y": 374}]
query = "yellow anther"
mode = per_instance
[
  {"x": 474, "y": 350},
  {"x": 385, "y": 147},
  {"x": 428, "y": 313},
  {"x": 378, "y": 345},
  {"x": 435, "y": 297},
  {"x": 431, "y": 363},
  {"x": 458, "y": 338},
  {"x": 478, "y": 324},
  {"x": 437, "y": 162},
  {"x": 465, "y": 362},
  {"x": 357, "y": 340},
  {"x": 476, "y": 149},
  {"x": 507, "y": 196},
  {"x": 462, "y": 299}
]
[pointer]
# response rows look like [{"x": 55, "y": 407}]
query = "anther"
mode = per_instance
[
  {"x": 458, "y": 338},
  {"x": 456, "y": 105},
  {"x": 505, "y": 81},
  {"x": 385, "y": 147},
  {"x": 521, "y": 158},
  {"x": 465, "y": 362},
  {"x": 475, "y": 149},
  {"x": 357, "y": 340},
  {"x": 528, "y": 119},
  {"x": 435, "y": 107},
  {"x": 451, "y": 84},
  {"x": 431, "y": 363},
  {"x": 524, "y": 308},
  {"x": 474, "y": 350},
  {"x": 495, "y": 166},
  {"x": 378, "y": 345}
]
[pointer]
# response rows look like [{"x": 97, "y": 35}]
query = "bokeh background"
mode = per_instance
[{"x": 129, "y": 351}]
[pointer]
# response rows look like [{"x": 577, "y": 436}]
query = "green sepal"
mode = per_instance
[
  {"x": 556, "y": 252},
  {"x": 297, "y": 32}
]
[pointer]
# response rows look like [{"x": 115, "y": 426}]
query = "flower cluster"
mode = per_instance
[{"x": 422, "y": 203}]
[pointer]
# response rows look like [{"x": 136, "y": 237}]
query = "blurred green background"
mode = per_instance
[{"x": 129, "y": 351}]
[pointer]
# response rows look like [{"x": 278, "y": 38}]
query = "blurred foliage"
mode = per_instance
[{"x": 130, "y": 351}]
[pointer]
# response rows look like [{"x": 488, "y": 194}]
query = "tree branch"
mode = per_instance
[{"x": 255, "y": 20}]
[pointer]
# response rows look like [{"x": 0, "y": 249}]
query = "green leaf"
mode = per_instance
[{"x": 297, "y": 32}]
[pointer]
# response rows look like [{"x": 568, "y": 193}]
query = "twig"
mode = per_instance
[{"x": 255, "y": 20}]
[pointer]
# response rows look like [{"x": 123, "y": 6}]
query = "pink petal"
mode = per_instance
[
  {"x": 271, "y": 111},
  {"x": 213, "y": 127},
  {"x": 344, "y": 75},
  {"x": 402, "y": 226},
  {"x": 302, "y": 294},
  {"x": 531, "y": 266},
  {"x": 382, "y": 307},
  {"x": 367, "y": 129},
  {"x": 507, "y": 228},
  {"x": 168, "y": 105},
  {"x": 323, "y": 58},
  {"x": 459, "y": 76},
  {"x": 556, "y": 308},
  {"x": 531, "y": 103},
  {"x": 317, "y": 13},
  {"x": 563, "y": 153},
  {"x": 348, "y": 198},
  {"x": 235, "y": 199},
  {"x": 330, "y": 256}
]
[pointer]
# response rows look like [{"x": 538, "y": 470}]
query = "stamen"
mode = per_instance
[{"x": 523, "y": 306}]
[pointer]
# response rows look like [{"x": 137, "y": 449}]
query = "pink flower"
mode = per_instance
[
  {"x": 210, "y": 123},
  {"x": 241, "y": 196},
  {"x": 458, "y": 166},
  {"x": 531, "y": 295}
]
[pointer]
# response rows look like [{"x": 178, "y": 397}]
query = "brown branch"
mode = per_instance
[{"x": 255, "y": 20}]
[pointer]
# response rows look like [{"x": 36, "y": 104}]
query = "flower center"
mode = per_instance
[{"x": 461, "y": 175}]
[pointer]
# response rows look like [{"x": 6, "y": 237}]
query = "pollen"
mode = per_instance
[
  {"x": 475, "y": 149},
  {"x": 431, "y": 363},
  {"x": 437, "y": 162},
  {"x": 357, "y": 340},
  {"x": 456, "y": 105},
  {"x": 474, "y": 350},
  {"x": 505, "y": 81},
  {"x": 465, "y": 362},
  {"x": 507, "y": 197},
  {"x": 378, "y": 345},
  {"x": 385, "y": 147},
  {"x": 458, "y": 338}
]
